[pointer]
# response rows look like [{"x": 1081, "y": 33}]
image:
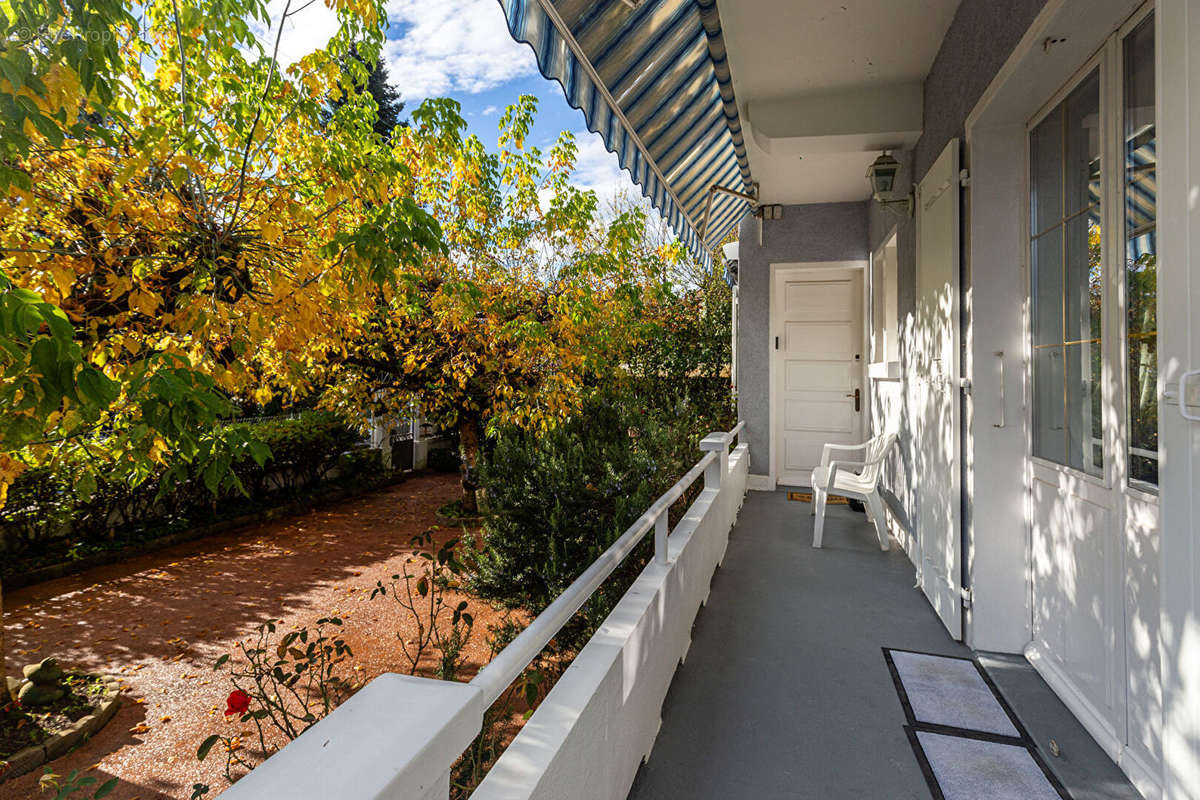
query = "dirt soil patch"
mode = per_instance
[{"x": 160, "y": 621}]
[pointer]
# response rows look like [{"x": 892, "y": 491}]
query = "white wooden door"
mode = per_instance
[
  {"x": 818, "y": 367},
  {"x": 933, "y": 390}
]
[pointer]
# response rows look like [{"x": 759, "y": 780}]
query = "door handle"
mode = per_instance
[
  {"x": 1000, "y": 355},
  {"x": 857, "y": 395}
]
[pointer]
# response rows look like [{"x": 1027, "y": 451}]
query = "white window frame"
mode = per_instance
[{"x": 1108, "y": 59}]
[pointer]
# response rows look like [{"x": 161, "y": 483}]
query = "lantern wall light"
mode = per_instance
[{"x": 884, "y": 174}]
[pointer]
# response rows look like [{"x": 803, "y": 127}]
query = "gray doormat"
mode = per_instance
[
  {"x": 949, "y": 692},
  {"x": 967, "y": 740},
  {"x": 961, "y": 767}
]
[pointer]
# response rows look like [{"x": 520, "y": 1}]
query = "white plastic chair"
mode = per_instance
[{"x": 855, "y": 479}]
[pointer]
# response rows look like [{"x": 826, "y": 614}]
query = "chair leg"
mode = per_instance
[
  {"x": 812, "y": 501},
  {"x": 879, "y": 517},
  {"x": 819, "y": 525}
]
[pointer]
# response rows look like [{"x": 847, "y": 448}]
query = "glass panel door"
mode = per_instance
[{"x": 1066, "y": 247}]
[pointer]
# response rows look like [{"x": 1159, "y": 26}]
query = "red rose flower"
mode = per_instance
[{"x": 238, "y": 702}]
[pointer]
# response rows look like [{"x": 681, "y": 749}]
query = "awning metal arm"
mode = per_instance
[{"x": 712, "y": 190}]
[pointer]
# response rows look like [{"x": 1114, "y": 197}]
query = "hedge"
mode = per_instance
[{"x": 44, "y": 515}]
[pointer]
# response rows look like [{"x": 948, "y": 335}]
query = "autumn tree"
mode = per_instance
[
  {"x": 535, "y": 300},
  {"x": 180, "y": 223}
]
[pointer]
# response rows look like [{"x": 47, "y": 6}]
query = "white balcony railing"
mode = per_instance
[{"x": 398, "y": 737}]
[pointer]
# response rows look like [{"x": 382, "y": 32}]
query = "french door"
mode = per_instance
[{"x": 1093, "y": 426}]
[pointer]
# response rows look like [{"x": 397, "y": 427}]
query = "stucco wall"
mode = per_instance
[
  {"x": 977, "y": 44},
  {"x": 979, "y": 40},
  {"x": 807, "y": 233}
]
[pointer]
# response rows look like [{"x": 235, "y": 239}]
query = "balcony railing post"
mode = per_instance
[
  {"x": 660, "y": 537},
  {"x": 715, "y": 472}
]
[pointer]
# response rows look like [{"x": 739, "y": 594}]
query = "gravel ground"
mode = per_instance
[{"x": 159, "y": 622}]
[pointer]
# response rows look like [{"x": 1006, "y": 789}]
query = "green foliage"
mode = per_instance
[
  {"x": 281, "y": 683},
  {"x": 75, "y": 785},
  {"x": 556, "y": 501},
  {"x": 283, "y": 459},
  {"x": 378, "y": 86},
  {"x": 443, "y": 626}
]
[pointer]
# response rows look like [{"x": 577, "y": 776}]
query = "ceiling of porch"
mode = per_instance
[{"x": 823, "y": 85}]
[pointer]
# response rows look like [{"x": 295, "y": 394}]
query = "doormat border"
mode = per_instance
[
  {"x": 1024, "y": 738},
  {"x": 931, "y": 780}
]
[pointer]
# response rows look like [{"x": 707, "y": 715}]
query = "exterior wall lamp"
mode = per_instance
[{"x": 883, "y": 174}]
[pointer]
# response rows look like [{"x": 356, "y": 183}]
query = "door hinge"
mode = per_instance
[
  {"x": 964, "y": 178},
  {"x": 776, "y": 342},
  {"x": 965, "y": 384},
  {"x": 968, "y": 597}
]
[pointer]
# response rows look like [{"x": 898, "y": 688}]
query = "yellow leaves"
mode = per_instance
[
  {"x": 10, "y": 468},
  {"x": 144, "y": 302},
  {"x": 271, "y": 231}
]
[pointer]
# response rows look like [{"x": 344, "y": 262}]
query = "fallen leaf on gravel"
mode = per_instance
[
  {"x": 141, "y": 727},
  {"x": 165, "y": 719}
]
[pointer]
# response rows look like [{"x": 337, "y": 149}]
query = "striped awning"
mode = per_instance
[{"x": 652, "y": 79}]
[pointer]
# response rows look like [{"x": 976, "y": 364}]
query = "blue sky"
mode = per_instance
[{"x": 462, "y": 49}]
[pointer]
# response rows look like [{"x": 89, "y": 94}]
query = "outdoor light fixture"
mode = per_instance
[{"x": 883, "y": 174}]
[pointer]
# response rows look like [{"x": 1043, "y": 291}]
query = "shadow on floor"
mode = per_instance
[{"x": 785, "y": 692}]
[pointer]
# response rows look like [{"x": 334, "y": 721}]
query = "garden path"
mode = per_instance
[{"x": 159, "y": 621}]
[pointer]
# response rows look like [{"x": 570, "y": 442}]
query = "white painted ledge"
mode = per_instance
[{"x": 588, "y": 737}]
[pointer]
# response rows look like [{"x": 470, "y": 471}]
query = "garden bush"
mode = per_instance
[
  {"x": 557, "y": 500},
  {"x": 46, "y": 520}
]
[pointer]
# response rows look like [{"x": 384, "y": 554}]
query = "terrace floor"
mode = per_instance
[{"x": 785, "y": 692}]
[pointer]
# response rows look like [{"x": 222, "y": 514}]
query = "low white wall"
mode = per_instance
[
  {"x": 399, "y": 735},
  {"x": 590, "y": 734}
]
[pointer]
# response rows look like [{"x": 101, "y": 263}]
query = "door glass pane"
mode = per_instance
[
  {"x": 1067, "y": 275},
  {"x": 1081, "y": 110},
  {"x": 1049, "y": 426},
  {"x": 1046, "y": 164},
  {"x": 1141, "y": 265},
  {"x": 1047, "y": 259}
]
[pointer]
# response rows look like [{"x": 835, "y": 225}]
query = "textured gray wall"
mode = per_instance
[
  {"x": 979, "y": 40},
  {"x": 807, "y": 233}
]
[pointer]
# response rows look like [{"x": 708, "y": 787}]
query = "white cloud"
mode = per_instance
[
  {"x": 439, "y": 48},
  {"x": 598, "y": 170},
  {"x": 490, "y": 110},
  {"x": 304, "y": 31},
  {"x": 452, "y": 47}
]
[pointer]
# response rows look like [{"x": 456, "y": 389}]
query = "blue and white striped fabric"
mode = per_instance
[{"x": 654, "y": 82}]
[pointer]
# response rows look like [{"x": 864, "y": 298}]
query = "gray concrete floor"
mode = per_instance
[{"x": 785, "y": 692}]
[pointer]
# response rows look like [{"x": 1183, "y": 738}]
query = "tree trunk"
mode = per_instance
[{"x": 468, "y": 438}]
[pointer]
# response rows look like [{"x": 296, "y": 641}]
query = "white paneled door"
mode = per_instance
[
  {"x": 933, "y": 390},
  {"x": 818, "y": 366}
]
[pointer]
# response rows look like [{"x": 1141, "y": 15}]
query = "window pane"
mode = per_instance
[
  {"x": 1085, "y": 443},
  {"x": 1141, "y": 284},
  {"x": 1067, "y": 275},
  {"x": 1084, "y": 277},
  {"x": 1048, "y": 288},
  {"x": 1082, "y": 132},
  {"x": 1049, "y": 427},
  {"x": 1046, "y": 162}
]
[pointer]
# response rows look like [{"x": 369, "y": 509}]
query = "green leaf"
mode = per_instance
[
  {"x": 105, "y": 788},
  {"x": 205, "y": 746}
]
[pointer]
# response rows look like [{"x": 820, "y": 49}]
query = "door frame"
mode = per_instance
[
  {"x": 772, "y": 353},
  {"x": 1033, "y": 79}
]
